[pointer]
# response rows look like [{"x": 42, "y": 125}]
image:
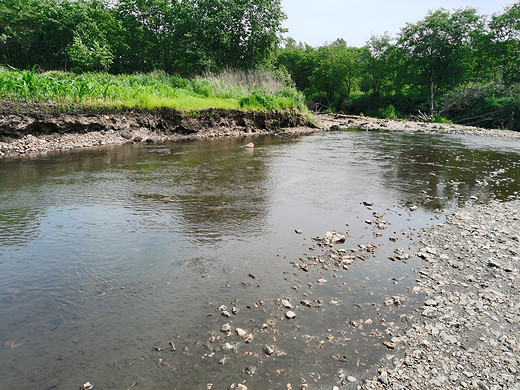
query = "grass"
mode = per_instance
[{"x": 229, "y": 90}]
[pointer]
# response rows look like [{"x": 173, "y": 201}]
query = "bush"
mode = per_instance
[
  {"x": 388, "y": 112},
  {"x": 441, "y": 119}
]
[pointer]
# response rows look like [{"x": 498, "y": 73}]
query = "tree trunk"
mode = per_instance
[{"x": 432, "y": 94}]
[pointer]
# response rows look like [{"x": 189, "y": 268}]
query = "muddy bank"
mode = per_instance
[
  {"x": 30, "y": 128},
  {"x": 466, "y": 332}
]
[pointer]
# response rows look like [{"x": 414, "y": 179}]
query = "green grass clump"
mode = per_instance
[{"x": 150, "y": 91}]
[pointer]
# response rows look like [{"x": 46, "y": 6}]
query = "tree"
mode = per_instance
[
  {"x": 299, "y": 60},
  {"x": 505, "y": 39},
  {"x": 437, "y": 49},
  {"x": 378, "y": 64},
  {"x": 337, "y": 72},
  {"x": 89, "y": 51},
  {"x": 192, "y": 36}
]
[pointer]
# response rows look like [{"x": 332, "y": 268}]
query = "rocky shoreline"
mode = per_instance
[
  {"x": 29, "y": 128},
  {"x": 466, "y": 333},
  {"x": 344, "y": 122}
]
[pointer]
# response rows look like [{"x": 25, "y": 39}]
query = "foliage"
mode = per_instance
[
  {"x": 441, "y": 66},
  {"x": 388, "y": 112},
  {"x": 454, "y": 64},
  {"x": 441, "y": 119},
  {"x": 146, "y": 90},
  {"x": 123, "y": 36}
]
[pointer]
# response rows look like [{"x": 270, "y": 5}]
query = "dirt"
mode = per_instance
[
  {"x": 29, "y": 128},
  {"x": 39, "y": 128}
]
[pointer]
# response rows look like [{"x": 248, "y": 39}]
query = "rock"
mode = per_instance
[
  {"x": 164, "y": 152},
  {"x": 268, "y": 350},
  {"x": 225, "y": 328},
  {"x": 172, "y": 346},
  {"x": 383, "y": 378},
  {"x": 230, "y": 347},
  {"x": 290, "y": 315},
  {"x": 241, "y": 332},
  {"x": 351, "y": 379},
  {"x": 87, "y": 386},
  {"x": 250, "y": 145},
  {"x": 250, "y": 370},
  {"x": 298, "y": 231},
  {"x": 493, "y": 264},
  {"x": 335, "y": 238},
  {"x": 286, "y": 303}
]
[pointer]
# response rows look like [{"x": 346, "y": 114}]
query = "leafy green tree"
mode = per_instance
[
  {"x": 505, "y": 40},
  {"x": 378, "y": 61},
  {"x": 191, "y": 36},
  {"x": 337, "y": 72},
  {"x": 437, "y": 49},
  {"x": 88, "y": 52},
  {"x": 300, "y": 62}
]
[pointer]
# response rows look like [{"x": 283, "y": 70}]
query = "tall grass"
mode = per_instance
[{"x": 248, "y": 90}]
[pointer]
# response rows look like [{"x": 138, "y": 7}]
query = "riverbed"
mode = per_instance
[{"x": 210, "y": 266}]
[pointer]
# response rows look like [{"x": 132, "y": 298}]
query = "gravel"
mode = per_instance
[{"x": 466, "y": 333}]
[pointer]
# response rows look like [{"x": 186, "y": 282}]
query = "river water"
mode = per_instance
[{"x": 110, "y": 256}]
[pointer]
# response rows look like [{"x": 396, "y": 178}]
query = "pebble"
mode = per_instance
[
  {"x": 290, "y": 315},
  {"x": 466, "y": 334},
  {"x": 225, "y": 328}
]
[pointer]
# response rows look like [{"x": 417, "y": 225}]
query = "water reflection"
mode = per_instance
[{"x": 443, "y": 170}]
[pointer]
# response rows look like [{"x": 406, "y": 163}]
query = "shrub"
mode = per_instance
[{"x": 388, "y": 112}]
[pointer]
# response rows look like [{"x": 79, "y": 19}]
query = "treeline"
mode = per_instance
[
  {"x": 183, "y": 37},
  {"x": 452, "y": 64}
]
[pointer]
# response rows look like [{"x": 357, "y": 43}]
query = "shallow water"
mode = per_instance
[{"x": 108, "y": 255}]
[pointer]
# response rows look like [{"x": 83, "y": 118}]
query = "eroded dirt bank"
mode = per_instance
[
  {"x": 33, "y": 128},
  {"x": 40, "y": 128}
]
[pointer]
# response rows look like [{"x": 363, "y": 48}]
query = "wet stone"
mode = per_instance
[{"x": 290, "y": 315}]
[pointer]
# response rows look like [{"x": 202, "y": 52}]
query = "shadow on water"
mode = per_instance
[{"x": 109, "y": 255}]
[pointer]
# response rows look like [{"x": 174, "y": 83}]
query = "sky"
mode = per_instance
[{"x": 316, "y": 22}]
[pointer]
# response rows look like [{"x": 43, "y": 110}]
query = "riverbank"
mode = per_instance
[
  {"x": 466, "y": 332},
  {"x": 345, "y": 122},
  {"x": 40, "y": 128},
  {"x": 28, "y": 128}
]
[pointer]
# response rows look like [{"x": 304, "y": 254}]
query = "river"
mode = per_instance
[{"x": 116, "y": 263}]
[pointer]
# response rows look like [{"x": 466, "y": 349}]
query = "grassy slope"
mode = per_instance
[{"x": 230, "y": 90}]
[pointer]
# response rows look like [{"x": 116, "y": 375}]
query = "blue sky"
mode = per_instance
[{"x": 318, "y": 21}]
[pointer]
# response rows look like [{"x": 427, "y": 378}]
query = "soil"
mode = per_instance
[
  {"x": 28, "y": 128},
  {"x": 40, "y": 128}
]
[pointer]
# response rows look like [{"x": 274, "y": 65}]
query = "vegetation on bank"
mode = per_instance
[
  {"x": 260, "y": 89},
  {"x": 453, "y": 65}
]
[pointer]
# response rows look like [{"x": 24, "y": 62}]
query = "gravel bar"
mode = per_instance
[{"x": 466, "y": 332}]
